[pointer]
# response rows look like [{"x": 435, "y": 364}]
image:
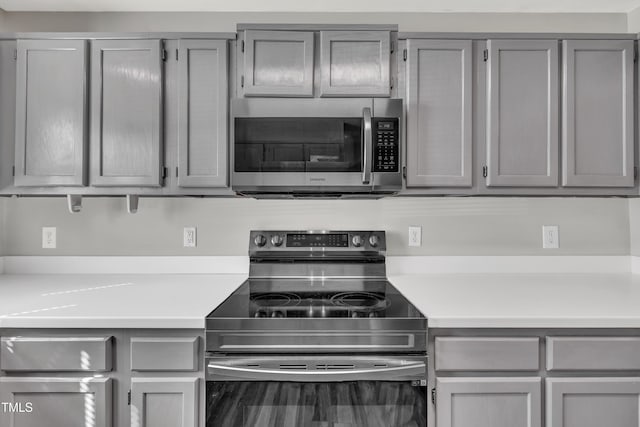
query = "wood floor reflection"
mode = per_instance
[{"x": 342, "y": 404}]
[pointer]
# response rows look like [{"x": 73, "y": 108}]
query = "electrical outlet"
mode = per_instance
[
  {"x": 550, "y": 237},
  {"x": 48, "y": 237},
  {"x": 189, "y": 240},
  {"x": 415, "y": 235}
]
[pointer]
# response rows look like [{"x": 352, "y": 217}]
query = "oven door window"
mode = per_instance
[
  {"x": 322, "y": 404},
  {"x": 298, "y": 145}
]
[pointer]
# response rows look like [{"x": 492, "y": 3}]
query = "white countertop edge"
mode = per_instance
[
  {"x": 103, "y": 323},
  {"x": 396, "y": 265},
  {"x": 126, "y": 265},
  {"x": 532, "y": 322},
  {"x": 408, "y": 265}
]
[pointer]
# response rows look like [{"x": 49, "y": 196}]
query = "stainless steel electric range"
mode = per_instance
[{"x": 317, "y": 336}]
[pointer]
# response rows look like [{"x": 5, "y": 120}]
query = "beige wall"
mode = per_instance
[
  {"x": 634, "y": 226},
  {"x": 211, "y": 21},
  {"x": 633, "y": 21},
  {"x": 451, "y": 226}
]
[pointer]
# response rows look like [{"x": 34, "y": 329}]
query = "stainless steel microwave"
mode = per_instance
[{"x": 316, "y": 147}]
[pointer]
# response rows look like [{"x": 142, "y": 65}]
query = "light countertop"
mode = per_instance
[{"x": 448, "y": 300}]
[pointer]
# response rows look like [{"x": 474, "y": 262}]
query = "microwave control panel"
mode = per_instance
[{"x": 386, "y": 140}]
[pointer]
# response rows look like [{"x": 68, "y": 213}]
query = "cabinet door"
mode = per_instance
[
  {"x": 278, "y": 63},
  {"x": 522, "y": 119},
  {"x": 202, "y": 136},
  {"x": 439, "y": 113},
  {"x": 488, "y": 402},
  {"x": 126, "y": 112},
  {"x": 56, "y": 402},
  {"x": 355, "y": 63},
  {"x": 593, "y": 402},
  {"x": 51, "y": 106},
  {"x": 598, "y": 113},
  {"x": 164, "y": 402}
]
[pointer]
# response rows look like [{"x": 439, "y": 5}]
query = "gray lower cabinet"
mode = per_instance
[
  {"x": 488, "y": 402},
  {"x": 355, "y": 63},
  {"x": 522, "y": 113},
  {"x": 598, "y": 113},
  {"x": 126, "y": 112},
  {"x": 593, "y": 402},
  {"x": 203, "y": 117},
  {"x": 164, "y": 402},
  {"x": 439, "y": 113},
  {"x": 51, "y": 121},
  {"x": 278, "y": 63},
  {"x": 56, "y": 402}
]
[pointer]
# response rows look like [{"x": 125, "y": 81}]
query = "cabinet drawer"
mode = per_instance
[
  {"x": 44, "y": 354},
  {"x": 164, "y": 354},
  {"x": 593, "y": 353},
  {"x": 487, "y": 354}
]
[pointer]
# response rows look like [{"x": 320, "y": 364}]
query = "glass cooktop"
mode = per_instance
[{"x": 316, "y": 298}]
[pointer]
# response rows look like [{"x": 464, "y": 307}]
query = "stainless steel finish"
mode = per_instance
[
  {"x": 316, "y": 368},
  {"x": 367, "y": 146},
  {"x": 315, "y": 184}
]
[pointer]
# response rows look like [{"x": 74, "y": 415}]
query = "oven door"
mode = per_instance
[
  {"x": 317, "y": 145},
  {"x": 327, "y": 391}
]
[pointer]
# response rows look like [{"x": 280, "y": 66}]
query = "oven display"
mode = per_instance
[{"x": 336, "y": 240}]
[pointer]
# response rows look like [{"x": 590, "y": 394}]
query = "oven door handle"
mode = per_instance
[
  {"x": 368, "y": 146},
  {"x": 411, "y": 371}
]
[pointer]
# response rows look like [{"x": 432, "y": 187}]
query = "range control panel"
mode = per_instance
[
  {"x": 305, "y": 241},
  {"x": 386, "y": 140}
]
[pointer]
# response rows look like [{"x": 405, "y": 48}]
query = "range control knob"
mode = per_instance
[
  {"x": 357, "y": 241},
  {"x": 374, "y": 240},
  {"x": 276, "y": 240},
  {"x": 260, "y": 240}
]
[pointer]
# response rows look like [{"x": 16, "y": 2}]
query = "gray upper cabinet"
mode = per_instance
[
  {"x": 522, "y": 113},
  {"x": 593, "y": 402},
  {"x": 126, "y": 112},
  {"x": 278, "y": 63},
  {"x": 203, "y": 121},
  {"x": 355, "y": 63},
  {"x": 598, "y": 113},
  {"x": 488, "y": 402},
  {"x": 51, "y": 121},
  {"x": 164, "y": 402},
  {"x": 439, "y": 108},
  {"x": 57, "y": 402}
]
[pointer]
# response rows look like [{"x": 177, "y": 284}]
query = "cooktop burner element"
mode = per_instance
[{"x": 312, "y": 291}]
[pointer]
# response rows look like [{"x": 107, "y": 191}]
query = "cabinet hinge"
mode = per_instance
[
  {"x": 176, "y": 171},
  {"x": 129, "y": 397},
  {"x": 165, "y": 172},
  {"x": 164, "y": 54},
  {"x": 486, "y": 55},
  {"x": 241, "y": 81},
  {"x": 404, "y": 54},
  {"x": 15, "y": 53},
  {"x": 485, "y": 171},
  {"x": 433, "y": 395},
  {"x": 242, "y": 46},
  {"x": 391, "y": 83},
  {"x": 177, "y": 55},
  {"x": 635, "y": 54},
  {"x": 404, "y": 172},
  {"x": 13, "y": 170},
  {"x": 393, "y": 47},
  {"x": 635, "y": 172}
]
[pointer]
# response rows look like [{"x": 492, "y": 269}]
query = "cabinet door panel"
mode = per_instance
[
  {"x": 164, "y": 402},
  {"x": 51, "y": 119},
  {"x": 593, "y": 402},
  {"x": 522, "y": 121},
  {"x": 202, "y": 138},
  {"x": 488, "y": 402},
  {"x": 598, "y": 113},
  {"x": 439, "y": 113},
  {"x": 57, "y": 402},
  {"x": 355, "y": 63},
  {"x": 278, "y": 63},
  {"x": 126, "y": 117}
]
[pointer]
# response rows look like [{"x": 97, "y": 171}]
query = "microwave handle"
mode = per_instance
[{"x": 368, "y": 146}]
